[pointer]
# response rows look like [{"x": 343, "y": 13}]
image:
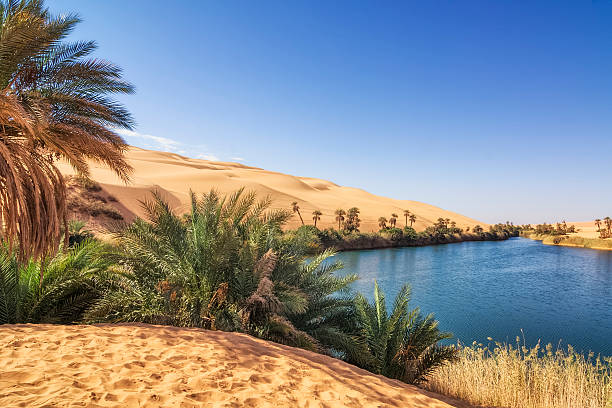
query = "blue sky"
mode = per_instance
[{"x": 499, "y": 110}]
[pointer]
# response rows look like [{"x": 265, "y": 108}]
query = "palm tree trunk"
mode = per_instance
[{"x": 301, "y": 219}]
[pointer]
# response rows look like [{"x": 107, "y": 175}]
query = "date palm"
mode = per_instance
[
  {"x": 598, "y": 224},
  {"x": 75, "y": 278},
  {"x": 393, "y": 220},
  {"x": 316, "y": 216},
  {"x": 406, "y": 215},
  {"x": 54, "y": 104},
  {"x": 296, "y": 209},
  {"x": 227, "y": 265},
  {"x": 382, "y": 222},
  {"x": 352, "y": 222},
  {"x": 412, "y": 219},
  {"x": 403, "y": 343},
  {"x": 340, "y": 213}
]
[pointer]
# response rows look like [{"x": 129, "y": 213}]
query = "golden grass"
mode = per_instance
[
  {"x": 509, "y": 376},
  {"x": 572, "y": 241},
  {"x": 577, "y": 241}
]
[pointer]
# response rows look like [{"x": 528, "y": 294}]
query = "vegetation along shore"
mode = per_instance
[
  {"x": 347, "y": 236},
  {"x": 597, "y": 235}
]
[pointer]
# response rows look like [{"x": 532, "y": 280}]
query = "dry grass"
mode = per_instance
[
  {"x": 509, "y": 376},
  {"x": 572, "y": 241},
  {"x": 582, "y": 242}
]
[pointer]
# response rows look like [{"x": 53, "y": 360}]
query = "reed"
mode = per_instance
[{"x": 514, "y": 376}]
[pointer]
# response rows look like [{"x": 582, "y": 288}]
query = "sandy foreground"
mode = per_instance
[
  {"x": 158, "y": 366},
  {"x": 174, "y": 175}
]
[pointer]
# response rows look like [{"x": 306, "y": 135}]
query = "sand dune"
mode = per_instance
[
  {"x": 174, "y": 175},
  {"x": 586, "y": 229},
  {"x": 158, "y": 366}
]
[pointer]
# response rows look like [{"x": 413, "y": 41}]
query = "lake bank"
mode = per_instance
[
  {"x": 365, "y": 241},
  {"x": 571, "y": 240}
]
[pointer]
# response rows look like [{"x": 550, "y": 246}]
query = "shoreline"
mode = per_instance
[
  {"x": 377, "y": 241},
  {"x": 572, "y": 241}
]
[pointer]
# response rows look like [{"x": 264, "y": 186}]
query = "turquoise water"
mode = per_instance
[{"x": 477, "y": 289}]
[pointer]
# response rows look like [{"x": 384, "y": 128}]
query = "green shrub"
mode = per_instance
[
  {"x": 228, "y": 266},
  {"x": 402, "y": 344},
  {"x": 58, "y": 292}
]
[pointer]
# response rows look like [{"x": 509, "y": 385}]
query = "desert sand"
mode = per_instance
[
  {"x": 157, "y": 366},
  {"x": 586, "y": 229},
  {"x": 174, "y": 175}
]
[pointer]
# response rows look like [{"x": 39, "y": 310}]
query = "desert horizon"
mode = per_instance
[{"x": 174, "y": 175}]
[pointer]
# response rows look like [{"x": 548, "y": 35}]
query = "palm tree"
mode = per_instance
[
  {"x": 296, "y": 209},
  {"x": 403, "y": 344},
  {"x": 340, "y": 213},
  {"x": 54, "y": 103},
  {"x": 598, "y": 224},
  {"x": 75, "y": 278},
  {"x": 77, "y": 232},
  {"x": 406, "y": 215},
  {"x": 228, "y": 266},
  {"x": 382, "y": 222},
  {"x": 352, "y": 220},
  {"x": 175, "y": 265},
  {"x": 412, "y": 219},
  {"x": 316, "y": 216},
  {"x": 393, "y": 220},
  {"x": 608, "y": 222},
  {"x": 477, "y": 229}
]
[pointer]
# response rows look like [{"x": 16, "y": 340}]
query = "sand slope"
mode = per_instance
[
  {"x": 586, "y": 229},
  {"x": 174, "y": 175},
  {"x": 158, "y": 366}
]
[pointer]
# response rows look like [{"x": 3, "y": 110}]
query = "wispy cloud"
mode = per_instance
[
  {"x": 237, "y": 158},
  {"x": 164, "y": 144},
  {"x": 157, "y": 142},
  {"x": 207, "y": 156}
]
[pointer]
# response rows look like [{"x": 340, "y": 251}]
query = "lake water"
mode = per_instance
[{"x": 480, "y": 289}]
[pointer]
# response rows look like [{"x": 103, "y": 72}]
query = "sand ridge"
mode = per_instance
[
  {"x": 174, "y": 175},
  {"x": 137, "y": 365}
]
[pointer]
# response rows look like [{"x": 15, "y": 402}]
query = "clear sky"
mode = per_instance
[{"x": 499, "y": 110}]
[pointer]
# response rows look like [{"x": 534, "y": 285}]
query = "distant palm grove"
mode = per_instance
[{"x": 347, "y": 235}]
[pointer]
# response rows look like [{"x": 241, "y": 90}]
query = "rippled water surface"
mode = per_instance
[{"x": 480, "y": 289}]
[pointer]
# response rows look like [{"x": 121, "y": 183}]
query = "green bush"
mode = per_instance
[
  {"x": 402, "y": 344},
  {"x": 228, "y": 266},
  {"x": 59, "y": 291}
]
